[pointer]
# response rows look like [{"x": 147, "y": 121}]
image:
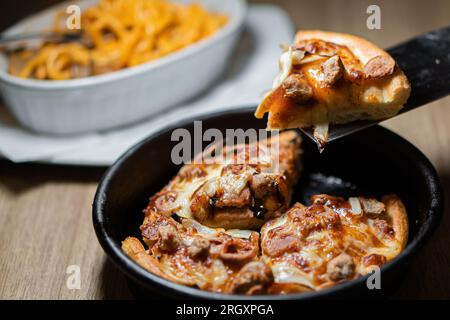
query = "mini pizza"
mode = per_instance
[
  {"x": 242, "y": 192},
  {"x": 228, "y": 227},
  {"x": 188, "y": 253},
  {"x": 333, "y": 240},
  {"x": 328, "y": 77}
]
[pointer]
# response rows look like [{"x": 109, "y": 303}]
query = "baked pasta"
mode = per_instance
[
  {"x": 117, "y": 34},
  {"x": 328, "y": 77}
]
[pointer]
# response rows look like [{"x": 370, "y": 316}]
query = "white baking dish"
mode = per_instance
[{"x": 120, "y": 97}]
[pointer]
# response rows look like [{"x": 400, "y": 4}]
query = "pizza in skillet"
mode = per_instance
[
  {"x": 333, "y": 240},
  {"x": 229, "y": 227},
  {"x": 241, "y": 191},
  {"x": 188, "y": 253},
  {"x": 307, "y": 248},
  {"x": 196, "y": 228},
  {"x": 328, "y": 77}
]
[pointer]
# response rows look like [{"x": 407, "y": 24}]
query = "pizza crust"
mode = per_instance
[
  {"x": 135, "y": 250},
  {"x": 396, "y": 211}
]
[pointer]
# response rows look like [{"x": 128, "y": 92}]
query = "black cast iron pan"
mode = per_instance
[{"x": 374, "y": 162}]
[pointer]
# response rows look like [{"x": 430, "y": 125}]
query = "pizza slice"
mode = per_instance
[
  {"x": 241, "y": 192},
  {"x": 188, "y": 253},
  {"x": 328, "y": 77},
  {"x": 333, "y": 240}
]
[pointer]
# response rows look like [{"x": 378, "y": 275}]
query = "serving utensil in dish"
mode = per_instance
[
  {"x": 356, "y": 165},
  {"x": 42, "y": 35},
  {"x": 124, "y": 96},
  {"x": 426, "y": 62}
]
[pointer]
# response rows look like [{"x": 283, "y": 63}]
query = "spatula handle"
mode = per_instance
[{"x": 426, "y": 62}]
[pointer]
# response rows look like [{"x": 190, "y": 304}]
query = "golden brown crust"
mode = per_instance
[
  {"x": 135, "y": 250},
  {"x": 396, "y": 211}
]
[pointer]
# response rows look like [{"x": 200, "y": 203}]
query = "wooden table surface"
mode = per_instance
[{"x": 45, "y": 211}]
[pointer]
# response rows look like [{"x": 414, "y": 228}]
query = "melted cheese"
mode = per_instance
[
  {"x": 285, "y": 66},
  {"x": 285, "y": 272},
  {"x": 356, "y": 236},
  {"x": 186, "y": 189},
  {"x": 347, "y": 96},
  {"x": 215, "y": 180},
  {"x": 211, "y": 232}
]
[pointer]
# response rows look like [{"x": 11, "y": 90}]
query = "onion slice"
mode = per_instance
[
  {"x": 285, "y": 66},
  {"x": 239, "y": 233},
  {"x": 312, "y": 58},
  {"x": 356, "y": 206},
  {"x": 284, "y": 272},
  {"x": 207, "y": 231},
  {"x": 201, "y": 229},
  {"x": 321, "y": 134}
]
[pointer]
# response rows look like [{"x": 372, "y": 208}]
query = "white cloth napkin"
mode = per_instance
[{"x": 251, "y": 72}]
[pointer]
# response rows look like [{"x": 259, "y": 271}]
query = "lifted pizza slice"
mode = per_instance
[{"x": 328, "y": 77}]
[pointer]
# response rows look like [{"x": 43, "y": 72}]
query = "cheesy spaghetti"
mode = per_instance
[{"x": 122, "y": 33}]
